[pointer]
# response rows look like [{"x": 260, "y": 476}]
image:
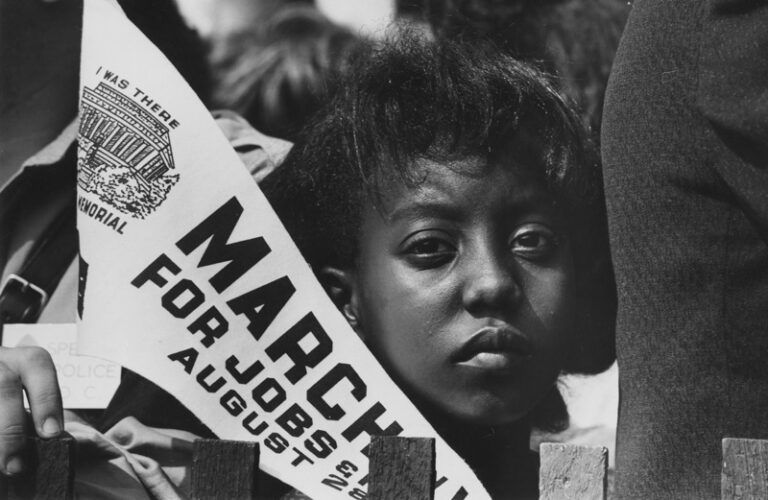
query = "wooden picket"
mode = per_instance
[
  {"x": 400, "y": 468},
  {"x": 570, "y": 472},
  {"x": 50, "y": 474},
  {"x": 224, "y": 469},
  {"x": 745, "y": 469}
]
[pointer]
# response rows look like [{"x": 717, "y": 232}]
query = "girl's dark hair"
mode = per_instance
[
  {"x": 414, "y": 99},
  {"x": 574, "y": 39}
]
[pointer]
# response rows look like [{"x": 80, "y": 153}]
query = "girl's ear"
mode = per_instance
[{"x": 340, "y": 286}]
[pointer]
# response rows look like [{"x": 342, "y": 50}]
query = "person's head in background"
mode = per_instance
[
  {"x": 449, "y": 203},
  {"x": 574, "y": 39},
  {"x": 277, "y": 74}
]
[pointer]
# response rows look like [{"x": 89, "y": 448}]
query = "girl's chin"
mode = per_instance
[
  {"x": 472, "y": 408},
  {"x": 491, "y": 418},
  {"x": 483, "y": 412}
]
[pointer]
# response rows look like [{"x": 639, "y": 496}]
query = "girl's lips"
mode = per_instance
[{"x": 494, "y": 348}]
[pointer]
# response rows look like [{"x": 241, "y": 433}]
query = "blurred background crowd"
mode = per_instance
[{"x": 271, "y": 60}]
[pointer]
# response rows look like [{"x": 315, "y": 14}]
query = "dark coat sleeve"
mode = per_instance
[{"x": 733, "y": 96}]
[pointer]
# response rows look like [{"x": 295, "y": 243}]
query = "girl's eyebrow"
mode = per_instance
[
  {"x": 526, "y": 201},
  {"x": 415, "y": 210}
]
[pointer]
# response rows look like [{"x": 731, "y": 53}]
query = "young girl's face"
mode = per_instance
[{"x": 463, "y": 289}]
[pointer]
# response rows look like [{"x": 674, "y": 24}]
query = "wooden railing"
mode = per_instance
[{"x": 400, "y": 468}]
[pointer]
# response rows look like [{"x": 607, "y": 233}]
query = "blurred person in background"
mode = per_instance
[{"x": 276, "y": 74}]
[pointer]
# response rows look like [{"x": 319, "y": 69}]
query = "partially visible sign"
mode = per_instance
[{"x": 86, "y": 382}]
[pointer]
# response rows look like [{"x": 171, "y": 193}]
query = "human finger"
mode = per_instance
[
  {"x": 37, "y": 372},
  {"x": 12, "y": 421}
]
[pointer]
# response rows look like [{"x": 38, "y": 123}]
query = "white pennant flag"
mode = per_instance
[{"x": 189, "y": 279}]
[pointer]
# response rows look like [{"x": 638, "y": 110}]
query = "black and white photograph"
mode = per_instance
[{"x": 384, "y": 249}]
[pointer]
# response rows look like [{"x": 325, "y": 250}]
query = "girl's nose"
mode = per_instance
[{"x": 491, "y": 286}]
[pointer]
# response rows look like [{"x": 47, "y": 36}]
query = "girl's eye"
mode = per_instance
[
  {"x": 429, "y": 251},
  {"x": 429, "y": 246},
  {"x": 534, "y": 242}
]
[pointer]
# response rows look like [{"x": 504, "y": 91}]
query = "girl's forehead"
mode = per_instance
[{"x": 468, "y": 184}]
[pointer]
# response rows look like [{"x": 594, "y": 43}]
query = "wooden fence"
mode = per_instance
[{"x": 400, "y": 468}]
